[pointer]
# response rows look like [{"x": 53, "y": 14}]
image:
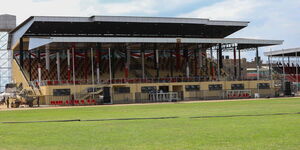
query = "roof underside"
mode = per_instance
[
  {"x": 131, "y": 27},
  {"x": 284, "y": 53},
  {"x": 57, "y": 43}
]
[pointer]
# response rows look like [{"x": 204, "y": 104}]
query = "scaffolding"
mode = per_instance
[{"x": 5, "y": 61}]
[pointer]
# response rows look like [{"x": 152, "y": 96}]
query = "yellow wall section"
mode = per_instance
[
  {"x": 18, "y": 77},
  {"x": 48, "y": 90}
]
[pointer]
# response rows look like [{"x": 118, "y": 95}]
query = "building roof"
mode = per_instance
[
  {"x": 124, "y": 26},
  {"x": 284, "y": 52},
  {"x": 41, "y": 30}
]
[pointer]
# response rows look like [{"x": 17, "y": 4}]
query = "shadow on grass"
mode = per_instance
[
  {"x": 77, "y": 120},
  {"x": 154, "y": 118}
]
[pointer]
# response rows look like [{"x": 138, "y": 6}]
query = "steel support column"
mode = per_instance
[
  {"x": 21, "y": 53},
  {"x": 39, "y": 66},
  {"x": 171, "y": 63},
  {"x": 86, "y": 65},
  {"x": 178, "y": 56},
  {"x": 195, "y": 63},
  {"x": 30, "y": 66},
  {"x": 157, "y": 60},
  {"x": 143, "y": 60},
  {"x": 99, "y": 46},
  {"x": 234, "y": 63},
  {"x": 240, "y": 65},
  {"x": 257, "y": 64},
  {"x": 58, "y": 65},
  {"x": 186, "y": 56},
  {"x": 69, "y": 64},
  {"x": 127, "y": 64},
  {"x": 113, "y": 63},
  {"x": 47, "y": 58}
]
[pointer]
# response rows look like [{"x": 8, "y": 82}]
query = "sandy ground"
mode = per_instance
[{"x": 3, "y": 107}]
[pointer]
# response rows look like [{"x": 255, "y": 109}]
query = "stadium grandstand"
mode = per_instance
[
  {"x": 284, "y": 65},
  {"x": 114, "y": 59}
]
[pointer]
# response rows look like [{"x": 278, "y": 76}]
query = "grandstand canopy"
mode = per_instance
[
  {"x": 284, "y": 52},
  {"x": 37, "y": 31}
]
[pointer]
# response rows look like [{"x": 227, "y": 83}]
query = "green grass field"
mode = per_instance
[{"x": 183, "y": 133}]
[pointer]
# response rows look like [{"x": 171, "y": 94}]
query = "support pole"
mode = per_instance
[
  {"x": 21, "y": 53},
  {"x": 157, "y": 60},
  {"x": 74, "y": 74},
  {"x": 195, "y": 63},
  {"x": 73, "y": 64},
  {"x": 47, "y": 58},
  {"x": 257, "y": 64},
  {"x": 220, "y": 56},
  {"x": 39, "y": 67},
  {"x": 296, "y": 65},
  {"x": 109, "y": 61},
  {"x": 234, "y": 63},
  {"x": 98, "y": 62},
  {"x": 93, "y": 78},
  {"x": 270, "y": 72},
  {"x": 143, "y": 61},
  {"x": 113, "y": 62},
  {"x": 171, "y": 63},
  {"x": 30, "y": 66},
  {"x": 86, "y": 65},
  {"x": 69, "y": 64},
  {"x": 178, "y": 61},
  {"x": 283, "y": 70},
  {"x": 240, "y": 65},
  {"x": 212, "y": 71},
  {"x": 127, "y": 66},
  {"x": 58, "y": 66},
  {"x": 186, "y": 56}
]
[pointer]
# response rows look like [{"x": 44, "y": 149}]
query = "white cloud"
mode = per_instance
[
  {"x": 134, "y": 7},
  {"x": 225, "y": 10},
  {"x": 26, "y": 8},
  {"x": 269, "y": 19}
]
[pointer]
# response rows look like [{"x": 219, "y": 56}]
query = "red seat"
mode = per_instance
[
  {"x": 56, "y": 82},
  {"x": 67, "y": 102},
  {"x": 94, "y": 101},
  {"x": 56, "y": 102},
  {"x": 82, "y": 101},
  {"x": 76, "y": 102},
  {"x": 247, "y": 95},
  {"x": 88, "y": 101},
  {"x": 49, "y": 82},
  {"x": 52, "y": 102}
]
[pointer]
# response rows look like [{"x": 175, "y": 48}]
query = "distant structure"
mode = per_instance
[
  {"x": 285, "y": 66},
  {"x": 7, "y": 23}
]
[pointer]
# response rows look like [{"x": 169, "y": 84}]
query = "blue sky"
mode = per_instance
[{"x": 269, "y": 19}]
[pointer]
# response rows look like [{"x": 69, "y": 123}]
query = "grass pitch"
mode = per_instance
[{"x": 255, "y": 130}]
